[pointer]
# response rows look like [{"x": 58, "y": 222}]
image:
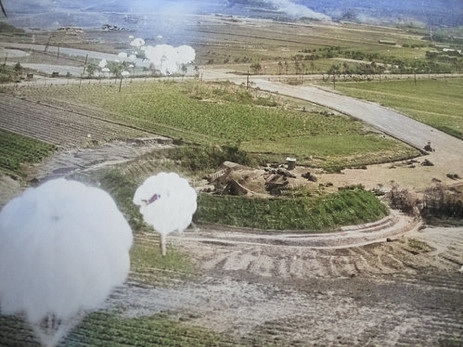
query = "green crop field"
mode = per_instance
[
  {"x": 438, "y": 103},
  {"x": 109, "y": 329},
  {"x": 16, "y": 150},
  {"x": 217, "y": 114}
]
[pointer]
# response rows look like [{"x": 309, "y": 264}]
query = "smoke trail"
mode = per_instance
[{"x": 63, "y": 248}]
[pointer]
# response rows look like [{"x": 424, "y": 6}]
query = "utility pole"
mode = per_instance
[
  {"x": 85, "y": 64},
  {"x": 3, "y": 9}
]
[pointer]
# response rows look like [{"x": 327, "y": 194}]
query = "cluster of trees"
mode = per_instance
[
  {"x": 10, "y": 73},
  {"x": 115, "y": 68},
  {"x": 360, "y": 64},
  {"x": 379, "y": 64},
  {"x": 418, "y": 66}
]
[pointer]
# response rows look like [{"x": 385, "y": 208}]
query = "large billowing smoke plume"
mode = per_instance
[
  {"x": 168, "y": 59},
  {"x": 167, "y": 203},
  {"x": 64, "y": 246},
  {"x": 165, "y": 58}
]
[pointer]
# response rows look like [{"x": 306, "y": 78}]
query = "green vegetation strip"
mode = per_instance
[
  {"x": 17, "y": 149},
  {"x": 109, "y": 329},
  {"x": 348, "y": 206},
  {"x": 438, "y": 103},
  {"x": 302, "y": 211}
]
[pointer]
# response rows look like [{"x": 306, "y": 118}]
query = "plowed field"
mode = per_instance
[{"x": 59, "y": 125}]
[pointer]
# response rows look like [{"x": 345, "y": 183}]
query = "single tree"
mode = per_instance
[{"x": 91, "y": 69}]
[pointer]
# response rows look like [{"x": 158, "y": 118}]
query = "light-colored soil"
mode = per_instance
[{"x": 396, "y": 293}]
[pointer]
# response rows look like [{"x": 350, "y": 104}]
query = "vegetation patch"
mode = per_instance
[
  {"x": 443, "y": 205},
  {"x": 148, "y": 266},
  {"x": 348, "y": 206},
  {"x": 437, "y": 103},
  {"x": 200, "y": 158},
  {"x": 17, "y": 150},
  {"x": 110, "y": 329}
]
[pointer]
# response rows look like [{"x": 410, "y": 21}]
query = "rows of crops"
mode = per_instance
[
  {"x": 16, "y": 150},
  {"x": 109, "y": 329},
  {"x": 57, "y": 125},
  {"x": 230, "y": 116}
]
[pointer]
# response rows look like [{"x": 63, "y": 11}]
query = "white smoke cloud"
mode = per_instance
[
  {"x": 164, "y": 58},
  {"x": 138, "y": 42},
  {"x": 289, "y": 7},
  {"x": 168, "y": 59},
  {"x": 296, "y": 10},
  {"x": 167, "y": 203},
  {"x": 63, "y": 248}
]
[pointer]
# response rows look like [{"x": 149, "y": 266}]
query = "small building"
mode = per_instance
[{"x": 291, "y": 162}]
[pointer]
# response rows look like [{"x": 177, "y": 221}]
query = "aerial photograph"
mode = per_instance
[{"x": 231, "y": 173}]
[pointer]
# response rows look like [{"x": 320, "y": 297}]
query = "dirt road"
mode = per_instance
[
  {"x": 446, "y": 157},
  {"x": 388, "y": 121}
]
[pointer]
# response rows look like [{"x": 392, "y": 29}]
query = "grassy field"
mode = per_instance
[
  {"x": 349, "y": 206},
  {"x": 16, "y": 150},
  {"x": 223, "y": 114},
  {"x": 109, "y": 329},
  {"x": 438, "y": 103}
]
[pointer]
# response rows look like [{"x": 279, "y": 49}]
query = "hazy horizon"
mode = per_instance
[{"x": 169, "y": 18}]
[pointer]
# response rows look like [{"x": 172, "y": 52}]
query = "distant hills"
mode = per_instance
[
  {"x": 427, "y": 12},
  {"x": 160, "y": 17}
]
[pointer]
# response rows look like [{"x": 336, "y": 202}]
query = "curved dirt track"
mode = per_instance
[{"x": 347, "y": 237}]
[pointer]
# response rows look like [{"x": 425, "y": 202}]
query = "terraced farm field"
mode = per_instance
[{"x": 60, "y": 126}]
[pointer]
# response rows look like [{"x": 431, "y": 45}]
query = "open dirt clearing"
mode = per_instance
[{"x": 383, "y": 294}]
